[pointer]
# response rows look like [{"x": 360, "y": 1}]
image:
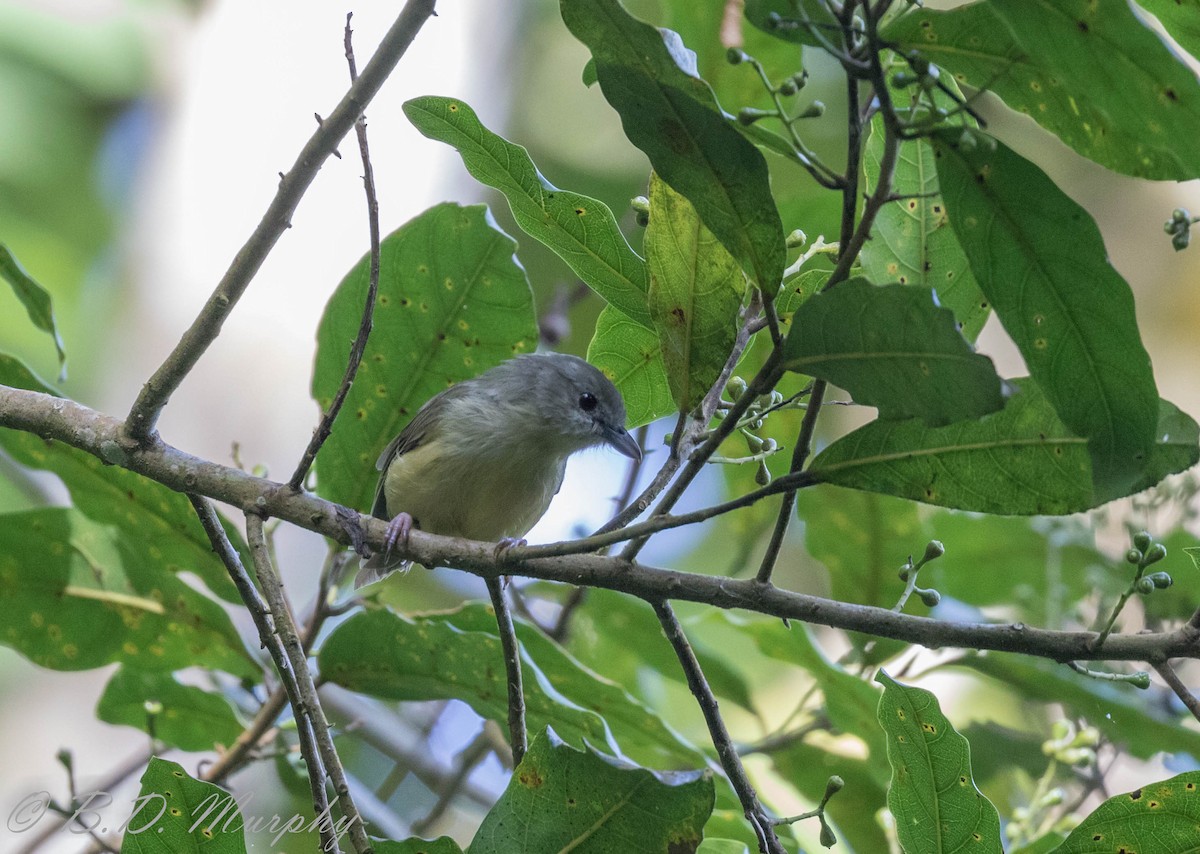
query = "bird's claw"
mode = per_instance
[
  {"x": 397, "y": 533},
  {"x": 505, "y": 545}
]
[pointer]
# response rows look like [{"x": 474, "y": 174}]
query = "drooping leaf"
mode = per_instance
[
  {"x": 631, "y": 356},
  {"x": 79, "y": 595},
  {"x": 1021, "y": 461},
  {"x": 386, "y": 655},
  {"x": 564, "y": 799},
  {"x": 1119, "y": 711},
  {"x": 695, "y": 293},
  {"x": 176, "y": 814},
  {"x": 911, "y": 240},
  {"x": 1089, "y": 72},
  {"x": 581, "y": 230},
  {"x": 162, "y": 522},
  {"x": 36, "y": 300},
  {"x": 891, "y": 347},
  {"x": 671, "y": 115},
  {"x": 1161, "y": 816},
  {"x": 452, "y": 303},
  {"x": 178, "y": 715},
  {"x": 1040, "y": 260},
  {"x": 932, "y": 795}
]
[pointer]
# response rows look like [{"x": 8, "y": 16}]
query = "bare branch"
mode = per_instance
[
  {"x": 204, "y": 329},
  {"x": 512, "y": 667},
  {"x": 1167, "y": 672}
]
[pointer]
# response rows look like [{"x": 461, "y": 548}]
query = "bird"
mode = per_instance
[{"x": 483, "y": 459}]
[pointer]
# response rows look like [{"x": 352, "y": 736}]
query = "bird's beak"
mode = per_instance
[{"x": 620, "y": 439}]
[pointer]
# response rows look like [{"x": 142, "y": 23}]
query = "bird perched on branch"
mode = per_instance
[{"x": 482, "y": 459}]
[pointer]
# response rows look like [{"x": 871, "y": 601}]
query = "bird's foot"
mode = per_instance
[
  {"x": 397, "y": 533},
  {"x": 505, "y": 545}
]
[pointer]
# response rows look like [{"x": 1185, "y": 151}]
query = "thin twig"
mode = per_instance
[
  {"x": 468, "y": 761},
  {"x": 325, "y": 427},
  {"x": 285, "y": 628},
  {"x": 238, "y": 752},
  {"x": 1167, "y": 672},
  {"x": 142, "y": 418},
  {"x": 267, "y": 628},
  {"x": 512, "y": 667},
  {"x": 768, "y": 842}
]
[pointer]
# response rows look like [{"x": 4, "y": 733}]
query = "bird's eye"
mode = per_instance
[{"x": 587, "y": 401}]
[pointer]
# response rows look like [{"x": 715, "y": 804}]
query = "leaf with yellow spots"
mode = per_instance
[
  {"x": 453, "y": 302},
  {"x": 696, "y": 291},
  {"x": 178, "y": 715},
  {"x": 581, "y": 230},
  {"x": 79, "y": 595},
  {"x": 1041, "y": 261},
  {"x": 932, "y": 795},
  {"x": 1089, "y": 71},
  {"x": 1021, "y": 461},
  {"x": 564, "y": 799},
  {"x": 163, "y": 521},
  {"x": 1159, "y": 817},
  {"x": 175, "y": 813},
  {"x": 893, "y": 348}
]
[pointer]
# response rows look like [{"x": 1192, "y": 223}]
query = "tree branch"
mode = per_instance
[
  {"x": 1167, "y": 672},
  {"x": 158, "y": 389},
  {"x": 98, "y": 434},
  {"x": 512, "y": 667}
]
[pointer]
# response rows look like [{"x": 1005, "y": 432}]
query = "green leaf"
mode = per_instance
[
  {"x": 78, "y": 595},
  {"x": 1162, "y": 816},
  {"x": 911, "y": 239},
  {"x": 1119, "y": 711},
  {"x": 796, "y": 17},
  {"x": 1021, "y": 461},
  {"x": 176, "y": 814},
  {"x": 452, "y": 303},
  {"x": 1040, "y": 260},
  {"x": 1180, "y": 18},
  {"x": 190, "y": 718},
  {"x": 441, "y": 845},
  {"x": 631, "y": 356},
  {"x": 1089, "y": 72},
  {"x": 891, "y": 347},
  {"x": 386, "y": 655},
  {"x": 162, "y": 521},
  {"x": 563, "y": 799},
  {"x": 36, "y": 300},
  {"x": 932, "y": 795},
  {"x": 1046, "y": 844},
  {"x": 695, "y": 294},
  {"x": 581, "y": 230},
  {"x": 797, "y": 290},
  {"x": 672, "y": 115}
]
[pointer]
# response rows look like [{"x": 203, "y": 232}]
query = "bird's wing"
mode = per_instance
[{"x": 412, "y": 436}]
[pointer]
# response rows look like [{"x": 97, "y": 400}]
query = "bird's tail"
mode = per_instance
[{"x": 379, "y": 566}]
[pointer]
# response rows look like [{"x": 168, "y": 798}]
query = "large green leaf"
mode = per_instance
[
  {"x": 178, "y": 715},
  {"x": 1086, "y": 70},
  {"x": 1161, "y": 816},
  {"x": 564, "y": 799},
  {"x": 78, "y": 595},
  {"x": 1040, "y": 260},
  {"x": 631, "y": 356},
  {"x": 386, "y": 655},
  {"x": 452, "y": 303},
  {"x": 1021, "y": 461},
  {"x": 932, "y": 795},
  {"x": 1119, "y": 711},
  {"x": 161, "y": 520},
  {"x": 581, "y": 230},
  {"x": 441, "y": 845},
  {"x": 695, "y": 293},
  {"x": 893, "y": 348},
  {"x": 176, "y": 814},
  {"x": 36, "y": 300},
  {"x": 670, "y": 114},
  {"x": 911, "y": 239}
]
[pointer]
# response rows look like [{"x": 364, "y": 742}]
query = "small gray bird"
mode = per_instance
[{"x": 483, "y": 459}]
